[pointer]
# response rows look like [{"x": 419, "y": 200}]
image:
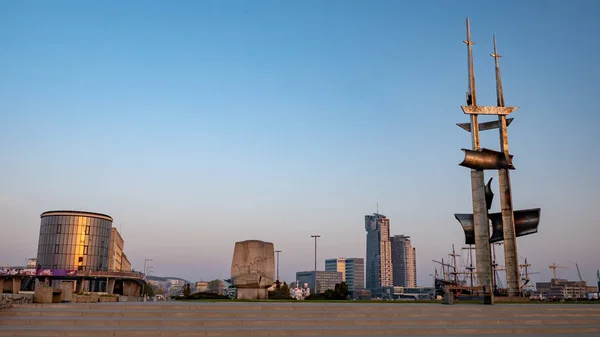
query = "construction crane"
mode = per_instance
[
  {"x": 578, "y": 273},
  {"x": 554, "y": 266}
]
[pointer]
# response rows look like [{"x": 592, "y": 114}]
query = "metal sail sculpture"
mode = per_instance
[{"x": 508, "y": 224}]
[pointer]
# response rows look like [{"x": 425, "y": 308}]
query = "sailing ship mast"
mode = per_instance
[
  {"x": 470, "y": 267},
  {"x": 455, "y": 273}
]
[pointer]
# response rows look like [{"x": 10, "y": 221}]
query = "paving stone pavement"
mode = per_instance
[{"x": 298, "y": 319}]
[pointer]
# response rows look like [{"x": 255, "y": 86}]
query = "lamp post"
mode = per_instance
[
  {"x": 316, "y": 237},
  {"x": 277, "y": 252}
]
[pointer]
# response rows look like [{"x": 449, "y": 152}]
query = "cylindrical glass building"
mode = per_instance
[{"x": 71, "y": 240}]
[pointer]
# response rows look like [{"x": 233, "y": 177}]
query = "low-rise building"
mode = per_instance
[
  {"x": 562, "y": 289},
  {"x": 417, "y": 293},
  {"x": 325, "y": 280},
  {"x": 32, "y": 263},
  {"x": 201, "y": 286}
]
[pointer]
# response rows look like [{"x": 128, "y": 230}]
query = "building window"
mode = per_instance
[
  {"x": 87, "y": 230},
  {"x": 85, "y": 250},
  {"x": 81, "y": 268},
  {"x": 81, "y": 259},
  {"x": 56, "y": 249},
  {"x": 58, "y": 228}
]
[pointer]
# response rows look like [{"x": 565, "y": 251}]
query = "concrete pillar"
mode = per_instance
[
  {"x": 481, "y": 228},
  {"x": 16, "y": 285},
  {"x": 110, "y": 286},
  {"x": 67, "y": 291},
  {"x": 511, "y": 260},
  {"x": 127, "y": 288},
  {"x": 137, "y": 289}
]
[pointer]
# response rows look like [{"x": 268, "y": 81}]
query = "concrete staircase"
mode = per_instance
[{"x": 298, "y": 319}]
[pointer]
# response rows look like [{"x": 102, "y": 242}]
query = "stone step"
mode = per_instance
[
  {"x": 293, "y": 331},
  {"x": 177, "y": 321},
  {"x": 259, "y": 306},
  {"x": 69, "y": 312},
  {"x": 297, "y": 319}
]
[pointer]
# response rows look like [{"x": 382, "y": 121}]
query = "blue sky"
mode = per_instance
[{"x": 196, "y": 124}]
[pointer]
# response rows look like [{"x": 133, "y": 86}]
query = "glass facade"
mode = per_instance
[
  {"x": 355, "y": 273},
  {"x": 325, "y": 280},
  {"x": 74, "y": 241}
]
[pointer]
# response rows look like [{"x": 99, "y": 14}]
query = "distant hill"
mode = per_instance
[{"x": 165, "y": 278}]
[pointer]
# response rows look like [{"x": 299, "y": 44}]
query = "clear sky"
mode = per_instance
[{"x": 196, "y": 124}]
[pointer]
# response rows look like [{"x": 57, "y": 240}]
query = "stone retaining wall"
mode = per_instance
[{"x": 7, "y": 300}]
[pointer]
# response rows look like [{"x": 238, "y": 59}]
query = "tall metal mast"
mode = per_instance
[
  {"x": 480, "y": 214},
  {"x": 508, "y": 221}
]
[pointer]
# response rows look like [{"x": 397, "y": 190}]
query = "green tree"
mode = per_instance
[
  {"x": 147, "y": 290},
  {"x": 285, "y": 291},
  {"x": 340, "y": 292},
  {"x": 187, "y": 290},
  {"x": 341, "y": 289}
]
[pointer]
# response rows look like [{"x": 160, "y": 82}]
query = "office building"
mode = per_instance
[
  {"x": 379, "y": 252},
  {"x": 325, "y": 280},
  {"x": 73, "y": 247},
  {"x": 352, "y": 269},
  {"x": 355, "y": 273},
  {"x": 71, "y": 240},
  {"x": 117, "y": 260},
  {"x": 336, "y": 265},
  {"x": 403, "y": 262}
]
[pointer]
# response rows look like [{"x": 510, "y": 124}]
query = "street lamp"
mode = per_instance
[
  {"x": 278, "y": 251},
  {"x": 146, "y": 260},
  {"x": 316, "y": 237}
]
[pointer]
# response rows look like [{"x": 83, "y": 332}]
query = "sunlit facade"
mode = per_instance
[
  {"x": 117, "y": 260},
  {"x": 336, "y": 265},
  {"x": 71, "y": 240}
]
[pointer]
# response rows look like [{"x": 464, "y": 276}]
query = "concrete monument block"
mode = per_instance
[
  {"x": 42, "y": 293},
  {"x": 253, "y": 269},
  {"x": 67, "y": 291}
]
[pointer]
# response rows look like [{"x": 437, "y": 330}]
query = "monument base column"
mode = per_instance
[
  {"x": 481, "y": 229},
  {"x": 252, "y": 293}
]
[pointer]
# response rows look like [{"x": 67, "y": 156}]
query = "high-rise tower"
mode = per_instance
[
  {"x": 403, "y": 261},
  {"x": 379, "y": 252}
]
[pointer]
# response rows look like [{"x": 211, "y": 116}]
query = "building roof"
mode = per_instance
[{"x": 77, "y": 213}]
